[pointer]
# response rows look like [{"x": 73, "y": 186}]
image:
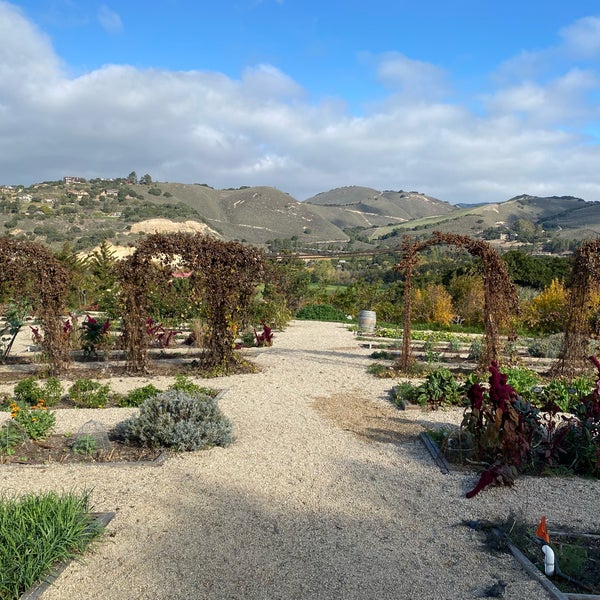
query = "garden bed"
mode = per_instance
[
  {"x": 62, "y": 449},
  {"x": 576, "y": 558}
]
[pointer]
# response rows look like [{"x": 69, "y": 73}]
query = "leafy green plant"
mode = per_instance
[
  {"x": 179, "y": 420},
  {"x": 523, "y": 380},
  {"x": 85, "y": 444},
  {"x": 403, "y": 393},
  {"x": 138, "y": 395},
  {"x": 28, "y": 391},
  {"x": 11, "y": 435},
  {"x": 382, "y": 354},
  {"x": 35, "y": 420},
  {"x": 440, "y": 388},
  {"x": 41, "y": 530},
  {"x": 454, "y": 344},
  {"x": 184, "y": 384},
  {"x": 86, "y": 393},
  {"x": 475, "y": 350},
  {"x": 563, "y": 393}
]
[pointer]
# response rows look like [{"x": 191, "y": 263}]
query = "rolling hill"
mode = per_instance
[
  {"x": 84, "y": 213},
  {"x": 355, "y": 206}
]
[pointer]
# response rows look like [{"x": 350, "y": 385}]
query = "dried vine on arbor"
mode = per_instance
[
  {"x": 29, "y": 270},
  {"x": 500, "y": 294},
  {"x": 586, "y": 275},
  {"x": 223, "y": 279}
]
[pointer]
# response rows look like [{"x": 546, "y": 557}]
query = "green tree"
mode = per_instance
[
  {"x": 78, "y": 268},
  {"x": 103, "y": 278}
]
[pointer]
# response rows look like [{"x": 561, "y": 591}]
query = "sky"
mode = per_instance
[{"x": 463, "y": 100}]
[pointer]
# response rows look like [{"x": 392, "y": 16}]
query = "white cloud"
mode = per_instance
[
  {"x": 411, "y": 78},
  {"x": 109, "y": 20},
  {"x": 582, "y": 38},
  {"x": 261, "y": 130}
]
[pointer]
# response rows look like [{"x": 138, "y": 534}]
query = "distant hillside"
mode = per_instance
[
  {"x": 355, "y": 206},
  {"x": 256, "y": 214},
  {"x": 84, "y": 213},
  {"x": 561, "y": 216}
]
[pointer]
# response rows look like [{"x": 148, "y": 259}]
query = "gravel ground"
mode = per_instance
[{"x": 317, "y": 498}]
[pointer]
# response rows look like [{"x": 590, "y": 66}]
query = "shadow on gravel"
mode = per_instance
[{"x": 318, "y": 541}]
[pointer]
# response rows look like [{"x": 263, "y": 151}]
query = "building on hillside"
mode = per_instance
[{"x": 69, "y": 180}]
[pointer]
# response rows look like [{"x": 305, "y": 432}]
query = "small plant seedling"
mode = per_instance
[{"x": 85, "y": 444}]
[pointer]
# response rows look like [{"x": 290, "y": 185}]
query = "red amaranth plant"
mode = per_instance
[
  {"x": 502, "y": 425},
  {"x": 266, "y": 337}
]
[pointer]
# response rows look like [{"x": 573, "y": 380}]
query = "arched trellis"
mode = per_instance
[
  {"x": 586, "y": 274},
  {"x": 29, "y": 270},
  {"x": 500, "y": 294},
  {"x": 223, "y": 277}
]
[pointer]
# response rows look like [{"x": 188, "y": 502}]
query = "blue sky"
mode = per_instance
[{"x": 467, "y": 101}]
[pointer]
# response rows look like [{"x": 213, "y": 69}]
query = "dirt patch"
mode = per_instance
[{"x": 372, "y": 421}]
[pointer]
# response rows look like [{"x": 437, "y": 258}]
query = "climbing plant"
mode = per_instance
[
  {"x": 222, "y": 276},
  {"x": 586, "y": 275},
  {"x": 500, "y": 294},
  {"x": 29, "y": 270}
]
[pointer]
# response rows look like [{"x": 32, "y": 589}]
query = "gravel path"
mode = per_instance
[{"x": 299, "y": 507}]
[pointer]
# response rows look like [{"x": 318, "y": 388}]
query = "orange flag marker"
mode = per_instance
[{"x": 542, "y": 531}]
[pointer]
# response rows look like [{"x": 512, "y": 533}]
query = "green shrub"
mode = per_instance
[
  {"x": 476, "y": 350},
  {"x": 138, "y": 395},
  {"x": 382, "y": 354},
  {"x": 179, "y": 420},
  {"x": 184, "y": 384},
  {"x": 53, "y": 391},
  {"x": 28, "y": 391},
  {"x": 546, "y": 347},
  {"x": 321, "y": 312},
  {"x": 86, "y": 393}
]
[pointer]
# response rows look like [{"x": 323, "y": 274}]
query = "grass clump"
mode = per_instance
[
  {"x": 36, "y": 533},
  {"x": 179, "y": 420}
]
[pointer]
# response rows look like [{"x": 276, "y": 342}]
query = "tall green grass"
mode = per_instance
[{"x": 37, "y": 532}]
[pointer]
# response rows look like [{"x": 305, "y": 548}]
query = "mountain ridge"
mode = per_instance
[{"x": 86, "y": 212}]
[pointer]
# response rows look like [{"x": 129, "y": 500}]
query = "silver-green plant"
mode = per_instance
[{"x": 180, "y": 420}]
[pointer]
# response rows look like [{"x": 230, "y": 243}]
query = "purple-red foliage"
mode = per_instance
[{"x": 266, "y": 337}]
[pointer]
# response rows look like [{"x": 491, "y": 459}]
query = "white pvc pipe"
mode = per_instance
[{"x": 548, "y": 560}]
